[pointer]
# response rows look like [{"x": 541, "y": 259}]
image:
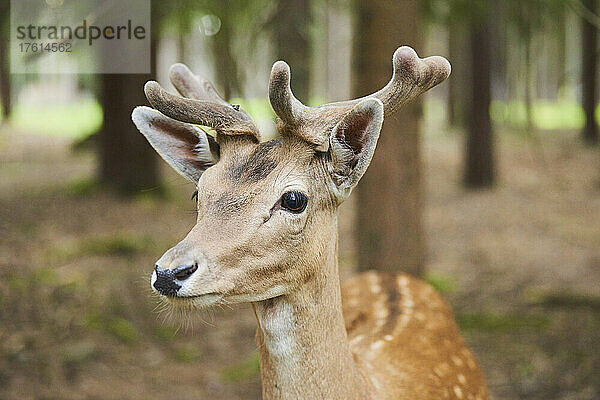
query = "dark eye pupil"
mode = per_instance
[{"x": 294, "y": 201}]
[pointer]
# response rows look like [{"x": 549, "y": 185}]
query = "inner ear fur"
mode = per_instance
[
  {"x": 185, "y": 147},
  {"x": 352, "y": 144}
]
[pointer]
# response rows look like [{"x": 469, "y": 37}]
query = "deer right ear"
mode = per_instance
[
  {"x": 352, "y": 143},
  {"x": 185, "y": 147}
]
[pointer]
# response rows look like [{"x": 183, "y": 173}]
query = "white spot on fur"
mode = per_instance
[
  {"x": 457, "y": 361},
  {"x": 471, "y": 363},
  {"x": 382, "y": 313},
  {"x": 461, "y": 378},
  {"x": 357, "y": 339},
  {"x": 388, "y": 337},
  {"x": 407, "y": 302},
  {"x": 353, "y": 302},
  {"x": 377, "y": 345}
]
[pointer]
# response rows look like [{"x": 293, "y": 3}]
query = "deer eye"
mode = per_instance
[{"x": 294, "y": 202}]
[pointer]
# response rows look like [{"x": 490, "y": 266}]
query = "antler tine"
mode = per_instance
[
  {"x": 412, "y": 76},
  {"x": 223, "y": 118},
  {"x": 193, "y": 86},
  {"x": 284, "y": 103}
]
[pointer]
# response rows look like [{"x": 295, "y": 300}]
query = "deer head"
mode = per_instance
[{"x": 266, "y": 211}]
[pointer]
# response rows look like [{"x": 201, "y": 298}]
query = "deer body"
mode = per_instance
[
  {"x": 266, "y": 234},
  {"x": 383, "y": 336}
]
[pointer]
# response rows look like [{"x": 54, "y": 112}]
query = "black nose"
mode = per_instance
[{"x": 167, "y": 280}]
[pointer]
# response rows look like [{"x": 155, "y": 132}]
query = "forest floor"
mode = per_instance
[{"x": 519, "y": 263}]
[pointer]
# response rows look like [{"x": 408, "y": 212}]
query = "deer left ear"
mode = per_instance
[{"x": 352, "y": 144}]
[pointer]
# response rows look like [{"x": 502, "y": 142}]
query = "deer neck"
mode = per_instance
[{"x": 303, "y": 346}]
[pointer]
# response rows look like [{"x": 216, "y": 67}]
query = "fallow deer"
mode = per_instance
[{"x": 266, "y": 234}]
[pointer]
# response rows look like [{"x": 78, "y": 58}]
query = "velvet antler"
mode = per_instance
[
  {"x": 199, "y": 103},
  {"x": 412, "y": 76}
]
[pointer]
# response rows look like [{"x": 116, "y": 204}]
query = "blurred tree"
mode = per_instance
[
  {"x": 183, "y": 17},
  {"x": 469, "y": 19},
  {"x": 529, "y": 19},
  {"x": 226, "y": 66},
  {"x": 479, "y": 163},
  {"x": 291, "y": 41},
  {"x": 389, "y": 198},
  {"x": 589, "y": 83},
  {"x": 233, "y": 44},
  {"x": 5, "y": 96},
  {"x": 458, "y": 55},
  {"x": 127, "y": 162},
  {"x": 454, "y": 15}
]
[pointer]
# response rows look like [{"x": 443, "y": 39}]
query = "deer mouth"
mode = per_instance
[{"x": 203, "y": 300}]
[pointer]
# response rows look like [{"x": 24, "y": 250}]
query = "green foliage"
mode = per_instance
[
  {"x": 546, "y": 115},
  {"x": 123, "y": 330},
  {"x": 78, "y": 352},
  {"x": 186, "y": 353},
  {"x": 44, "y": 276},
  {"x": 120, "y": 244},
  {"x": 455, "y": 11},
  {"x": 258, "y": 107},
  {"x": 18, "y": 284},
  {"x": 118, "y": 327},
  {"x": 165, "y": 332},
  {"x": 245, "y": 370},
  {"x": 500, "y": 322},
  {"x": 76, "y": 120},
  {"x": 528, "y": 16},
  {"x": 442, "y": 283},
  {"x": 82, "y": 187}
]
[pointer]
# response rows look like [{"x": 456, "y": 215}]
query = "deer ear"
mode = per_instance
[
  {"x": 185, "y": 147},
  {"x": 352, "y": 143}
]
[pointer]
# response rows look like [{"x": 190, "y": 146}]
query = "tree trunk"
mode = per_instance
[
  {"x": 480, "y": 169},
  {"x": 452, "y": 97},
  {"x": 290, "y": 28},
  {"x": 529, "y": 124},
  {"x": 389, "y": 197},
  {"x": 127, "y": 162},
  {"x": 5, "y": 96},
  {"x": 226, "y": 70},
  {"x": 588, "y": 76}
]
